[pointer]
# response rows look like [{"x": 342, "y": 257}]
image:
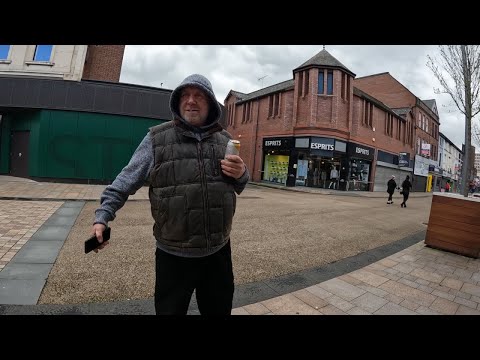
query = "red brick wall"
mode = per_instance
[
  {"x": 330, "y": 116},
  {"x": 426, "y": 137},
  {"x": 389, "y": 91},
  {"x": 386, "y": 89},
  {"x": 103, "y": 62},
  {"x": 365, "y": 135}
]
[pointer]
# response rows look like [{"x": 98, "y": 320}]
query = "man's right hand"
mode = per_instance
[{"x": 98, "y": 232}]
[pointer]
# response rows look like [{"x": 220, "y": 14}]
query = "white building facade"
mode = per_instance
[
  {"x": 450, "y": 162},
  {"x": 64, "y": 62}
]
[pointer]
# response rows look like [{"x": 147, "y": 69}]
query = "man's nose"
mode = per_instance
[{"x": 191, "y": 99}]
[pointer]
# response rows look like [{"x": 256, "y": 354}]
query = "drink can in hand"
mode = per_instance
[{"x": 233, "y": 148}]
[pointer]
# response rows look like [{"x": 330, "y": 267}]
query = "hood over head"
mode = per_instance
[{"x": 201, "y": 82}]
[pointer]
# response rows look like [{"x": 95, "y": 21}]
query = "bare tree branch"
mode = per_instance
[
  {"x": 476, "y": 134},
  {"x": 458, "y": 72}
]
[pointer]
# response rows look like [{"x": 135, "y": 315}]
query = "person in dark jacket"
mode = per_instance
[
  {"x": 391, "y": 186},
  {"x": 406, "y": 186},
  {"x": 192, "y": 198}
]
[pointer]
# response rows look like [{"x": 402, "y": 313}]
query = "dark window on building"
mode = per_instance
[
  {"x": 348, "y": 87},
  {"x": 43, "y": 53},
  {"x": 367, "y": 114},
  {"x": 300, "y": 83},
  {"x": 270, "y": 105},
  {"x": 343, "y": 85},
  {"x": 387, "y": 157},
  {"x": 370, "y": 117},
  {"x": 4, "y": 49},
  {"x": 389, "y": 124},
  {"x": 330, "y": 82},
  {"x": 320, "y": 82},
  {"x": 278, "y": 104},
  {"x": 307, "y": 80}
]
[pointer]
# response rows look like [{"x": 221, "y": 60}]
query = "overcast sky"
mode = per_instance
[{"x": 242, "y": 67}]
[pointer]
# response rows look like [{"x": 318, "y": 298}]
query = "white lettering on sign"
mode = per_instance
[
  {"x": 363, "y": 151},
  {"x": 319, "y": 146},
  {"x": 273, "y": 142}
]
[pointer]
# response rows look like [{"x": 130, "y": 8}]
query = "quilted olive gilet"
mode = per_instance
[{"x": 192, "y": 201}]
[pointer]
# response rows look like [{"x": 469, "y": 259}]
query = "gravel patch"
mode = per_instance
[{"x": 274, "y": 233}]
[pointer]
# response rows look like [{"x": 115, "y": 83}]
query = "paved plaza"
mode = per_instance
[{"x": 300, "y": 252}]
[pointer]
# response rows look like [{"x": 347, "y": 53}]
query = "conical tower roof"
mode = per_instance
[{"x": 324, "y": 59}]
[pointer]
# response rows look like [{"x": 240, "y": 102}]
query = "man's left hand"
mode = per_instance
[{"x": 233, "y": 166}]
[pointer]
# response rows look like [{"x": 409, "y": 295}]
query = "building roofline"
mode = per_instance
[
  {"x": 378, "y": 74},
  {"x": 450, "y": 141},
  {"x": 378, "y": 103},
  {"x": 265, "y": 92}
]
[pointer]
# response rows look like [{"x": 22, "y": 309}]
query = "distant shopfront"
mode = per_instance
[
  {"x": 319, "y": 162},
  {"x": 276, "y": 159},
  {"x": 389, "y": 164},
  {"x": 360, "y": 159},
  {"x": 425, "y": 173}
]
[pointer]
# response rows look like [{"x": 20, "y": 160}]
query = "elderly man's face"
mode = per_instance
[{"x": 194, "y": 105}]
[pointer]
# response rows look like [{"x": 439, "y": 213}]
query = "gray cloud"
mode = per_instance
[{"x": 239, "y": 67}]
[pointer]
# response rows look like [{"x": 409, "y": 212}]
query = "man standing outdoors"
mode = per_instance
[{"x": 192, "y": 198}]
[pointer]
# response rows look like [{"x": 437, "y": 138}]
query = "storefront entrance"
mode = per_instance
[
  {"x": 318, "y": 171},
  {"x": 360, "y": 166}
]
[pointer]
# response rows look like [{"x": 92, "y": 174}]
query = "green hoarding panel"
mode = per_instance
[
  {"x": 90, "y": 135},
  {"x": 5, "y": 145},
  {"x": 62, "y": 146},
  {"x": 89, "y": 146}
]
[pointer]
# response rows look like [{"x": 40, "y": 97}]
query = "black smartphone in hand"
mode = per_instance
[{"x": 92, "y": 243}]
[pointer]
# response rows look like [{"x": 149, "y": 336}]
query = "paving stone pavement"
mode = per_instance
[{"x": 403, "y": 278}]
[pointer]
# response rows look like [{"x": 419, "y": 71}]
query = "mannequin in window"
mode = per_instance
[
  {"x": 323, "y": 177},
  {"x": 315, "y": 177},
  {"x": 333, "y": 177}
]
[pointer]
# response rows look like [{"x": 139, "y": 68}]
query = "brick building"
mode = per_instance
[
  {"x": 321, "y": 130},
  {"x": 103, "y": 62},
  {"x": 395, "y": 95}
]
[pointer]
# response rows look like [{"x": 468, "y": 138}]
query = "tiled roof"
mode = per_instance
[
  {"x": 268, "y": 90},
  {"x": 324, "y": 59}
]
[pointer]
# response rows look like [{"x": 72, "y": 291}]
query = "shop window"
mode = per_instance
[
  {"x": 276, "y": 168},
  {"x": 359, "y": 175}
]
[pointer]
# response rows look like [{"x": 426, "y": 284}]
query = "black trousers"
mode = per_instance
[
  {"x": 405, "y": 197},
  {"x": 390, "y": 196},
  {"x": 211, "y": 277}
]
